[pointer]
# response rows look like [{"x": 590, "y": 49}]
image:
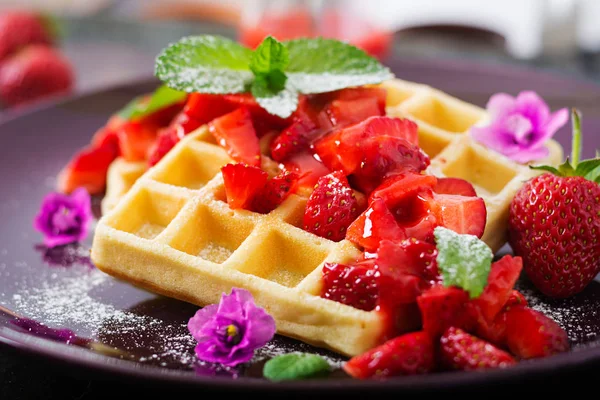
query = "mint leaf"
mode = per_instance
[
  {"x": 464, "y": 260},
  {"x": 162, "y": 97},
  {"x": 205, "y": 64},
  {"x": 281, "y": 103},
  {"x": 268, "y": 62},
  {"x": 295, "y": 366},
  {"x": 322, "y": 65}
]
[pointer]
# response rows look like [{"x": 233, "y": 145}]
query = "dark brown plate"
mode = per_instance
[{"x": 61, "y": 289}]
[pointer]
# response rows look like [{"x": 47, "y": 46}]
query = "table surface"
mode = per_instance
[{"x": 107, "y": 53}]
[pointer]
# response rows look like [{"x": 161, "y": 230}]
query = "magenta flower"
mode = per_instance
[
  {"x": 520, "y": 126},
  {"x": 64, "y": 219},
  {"x": 228, "y": 333}
]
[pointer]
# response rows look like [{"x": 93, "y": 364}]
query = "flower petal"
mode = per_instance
[
  {"x": 528, "y": 155},
  {"x": 495, "y": 137},
  {"x": 530, "y": 105},
  {"x": 260, "y": 326},
  {"x": 519, "y": 127},
  {"x": 230, "y": 307},
  {"x": 200, "y": 320},
  {"x": 51, "y": 241},
  {"x": 556, "y": 121},
  {"x": 500, "y": 104}
]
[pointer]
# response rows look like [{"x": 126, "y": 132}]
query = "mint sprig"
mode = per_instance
[
  {"x": 141, "y": 106},
  {"x": 589, "y": 169},
  {"x": 295, "y": 366},
  {"x": 464, "y": 260},
  {"x": 275, "y": 73}
]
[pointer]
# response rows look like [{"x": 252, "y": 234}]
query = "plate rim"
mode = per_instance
[{"x": 95, "y": 362}]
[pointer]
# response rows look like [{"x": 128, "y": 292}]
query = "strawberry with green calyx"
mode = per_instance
[{"x": 554, "y": 223}]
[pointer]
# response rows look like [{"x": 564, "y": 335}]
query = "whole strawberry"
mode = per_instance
[
  {"x": 554, "y": 224},
  {"x": 19, "y": 29},
  {"x": 34, "y": 72}
]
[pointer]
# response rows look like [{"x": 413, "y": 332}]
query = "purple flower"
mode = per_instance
[
  {"x": 520, "y": 126},
  {"x": 228, "y": 333},
  {"x": 64, "y": 219}
]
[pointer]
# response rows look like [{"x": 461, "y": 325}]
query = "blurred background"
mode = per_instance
[{"x": 109, "y": 42}]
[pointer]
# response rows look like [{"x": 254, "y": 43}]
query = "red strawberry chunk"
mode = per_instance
[
  {"x": 454, "y": 186},
  {"x": 307, "y": 167},
  {"x": 136, "y": 138},
  {"x": 331, "y": 207},
  {"x": 235, "y": 133},
  {"x": 493, "y": 331},
  {"x": 294, "y": 139},
  {"x": 88, "y": 169},
  {"x": 164, "y": 143},
  {"x": 409, "y": 354},
  {"x": 462, "y": 351},
  {"x": 378, "y": 94},
  {"x": 465, "y": 215},
  {"x": 374, "y": 225},
  {"x": 442, "y": 307},
  {"x": 185, "y": 124},
  {"x": 411, "y": 256},
  {"x": 345, "y": 112},
  {"x": 203, "y": 107},
  {"x": 262, "y": 120},
  {"x": 373, "y": 150},
  {"x": 501, "y": 280},
  {"x": 531, "y": 334},
  {"x": 355, "y": 286},
  {"x": 242, "y": 183},
  {"x": 396, "y": 189},
  {"x": 276, "y": 190}
]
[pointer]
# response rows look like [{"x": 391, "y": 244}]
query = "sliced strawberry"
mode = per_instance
[
  {"x": 412, "y": 257},
  {"x": 465, "y": 215},
  {"x": 493, "y": 331},
  {"x": 203, "y": 107},
  {"x": 331, "y": 207},
  {"x": 135, "y": 139},
  {"x": 242, "y": 183},
  {"x": 409, "y": 354},
  {"x": 275, "y": 192},
  {"x": 262, "y": 120},
  {"x": 235, "y": 133},
  {"x": 454, "y": 186},
  {"x": 531, "y": 334},
  {"x": 375, "y": 224},
  {"x": 185, "y": 124},
  {"x": 167, "y": 139},
  {"x": 88, "y": 169},
  {"x": 345, "y": 112},
  {"x": 400, "y": 282},
  {"x": 465, "y": 352},
  {"x": 294, "y": 139},
  {"x": 501, "y": 280},
  {"x": 355, "y": 286},
  {"x": 379, "y": 94},
  {"x": 307, "y": 167},
  {"x": 373, "y": 148},
  {"x": 442, "y": 307},
  {"x": 516, "y": 298},
  {"x": 396, "y": 189}
]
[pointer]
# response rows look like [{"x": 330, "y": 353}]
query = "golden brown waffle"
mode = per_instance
[{"x": 174, "y": 233}]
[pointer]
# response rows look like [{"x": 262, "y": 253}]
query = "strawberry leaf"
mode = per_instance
[
  {"x": 545, "y": 168},
  {"x": 587, "y": 167},
  {"x": 593, "y": 175},
  {"x": 295, "y": 366},
  {"x": 464, "y": 260}
]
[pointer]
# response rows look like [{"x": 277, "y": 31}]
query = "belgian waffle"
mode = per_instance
[{"x": 174, "y": 233}]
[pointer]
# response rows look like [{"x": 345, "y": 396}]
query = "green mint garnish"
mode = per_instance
[
  {"x": 275, "y": 73},
  {"x": 162, "y": 97},
  {"x": 464, "y": 260},
  {"x": 589, "y": 169},
  {"x": 295, "y": 366}
]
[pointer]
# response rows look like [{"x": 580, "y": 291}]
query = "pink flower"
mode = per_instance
[
  {"x": 64, "y": 219},
  {"x": 228, "y": 333},
  {"x": 520, "y": 126}
]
